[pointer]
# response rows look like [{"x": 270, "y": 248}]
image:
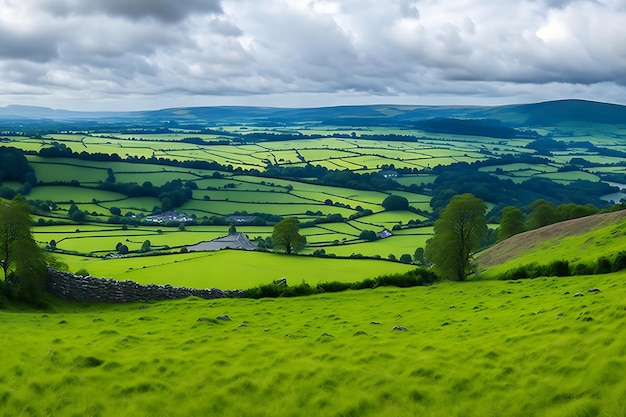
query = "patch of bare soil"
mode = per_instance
[{"x": 511, "y": 247}]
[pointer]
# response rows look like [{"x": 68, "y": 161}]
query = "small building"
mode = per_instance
[
  {"x": 233, "y": 241},
  {"x": 241, "y": 219},
  {"x": 169, "y": 216},
  {"x": 389, "y": 173},
  {"x": 383, "y": 234}
]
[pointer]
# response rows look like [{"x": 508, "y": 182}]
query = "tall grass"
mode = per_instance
[{"x": 523, "y": 348}]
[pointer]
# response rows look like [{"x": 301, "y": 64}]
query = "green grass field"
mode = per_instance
[
  {"x": 230, "y": 269},
  {"x": 473, "y": 349}
]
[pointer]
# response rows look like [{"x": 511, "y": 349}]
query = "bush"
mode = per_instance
[
  {"x": 82, "y": 272},
  {"x": 619, "y": 263},
  {"x": 603, "y": 266},
  {"x": 395, "y": 202},
  {"x": 558, "y": 269},
  {"x": 582, "y": 269},
  {"x": 333, "y": 286}
]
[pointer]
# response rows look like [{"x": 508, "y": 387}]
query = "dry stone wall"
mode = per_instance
[{"x": 90, "y": 289}]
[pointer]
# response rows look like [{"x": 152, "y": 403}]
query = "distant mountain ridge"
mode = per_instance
[{"x": 548, "y": 113}]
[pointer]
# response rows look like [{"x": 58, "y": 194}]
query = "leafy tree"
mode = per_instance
[
  {"x": 395, "y": 202},
  {"x": 23, "y": 261},
  {"x": 122, "y": 249},
  {"x": 511, "y": 222},
  {"x": 543, "y": 213},
  {"x": 232, "y": 229},
  {"x": 286, "y": 236},
  {"x": 418, "y": 256},
  {"x": 78, "y": 216},
  {"x": 406, "y": 258},
  {"x": 368, "y": 235},
  {"x": 146, "y": 246},
  {"x": 457, "y": 234}
]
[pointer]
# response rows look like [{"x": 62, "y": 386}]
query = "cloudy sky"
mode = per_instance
[{"x": 149, "y": 54}]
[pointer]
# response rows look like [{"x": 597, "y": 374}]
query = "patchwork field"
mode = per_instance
[{"x": 475, "y": 349}]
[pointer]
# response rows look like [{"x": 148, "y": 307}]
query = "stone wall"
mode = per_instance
[{"x": 90, "y": 289}]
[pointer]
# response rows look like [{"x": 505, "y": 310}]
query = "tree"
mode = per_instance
[
  {"x": 418, "y": 256},
  {"x": 232, "y": 229},
  {"x": 458, "y": 232},
  {"x": 23, "y": 261},
  {"x": 146, "y": 246},
  {"x": 286, "y": 236},
  {"x": 406, "y": 258},
  {"x": 368, "y": 235},
  {"x": 543, "y": 213},
  {"x": 511, "y": 222},
  {"x": 395, "y": 202}
]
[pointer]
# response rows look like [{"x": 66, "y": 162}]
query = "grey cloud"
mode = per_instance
[
  {"x": 169, "y": 11},
  {"x": 408, "y": 8},
  {"x": 37, "y": 47}
]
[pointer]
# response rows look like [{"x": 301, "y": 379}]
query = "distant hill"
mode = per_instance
[
  {"x": 579, "y": 240},
  {"x": 525, "y": 115}
]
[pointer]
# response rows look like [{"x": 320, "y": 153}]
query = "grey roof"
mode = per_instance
[{"x": 234, "y": 241}]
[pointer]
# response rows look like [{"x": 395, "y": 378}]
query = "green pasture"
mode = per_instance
[
  {"x": 570, "y": 176},
  {"x": 244, "y": 196},
  {"x": 134, "y": 204},
  {"x": 396, "y": 245},
  {"x": 231, "y": 269},
  {"x": 473, "y": 349},
  {"x": 388, "y": 219},
  {"x": 156, "y": 178},
  {"x": 50, "y": 172},
  {"x": 62, "y": 193}
]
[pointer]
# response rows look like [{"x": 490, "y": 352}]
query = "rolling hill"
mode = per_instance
[
  {"x": 524, "y": 115},
  {"x": 579, "y": 240}
]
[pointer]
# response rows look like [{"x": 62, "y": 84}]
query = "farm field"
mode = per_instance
[
  {"x": 233, "y": 269},
  {"x": 526, "y": 348},
  {"x": 234, "y": 172}
]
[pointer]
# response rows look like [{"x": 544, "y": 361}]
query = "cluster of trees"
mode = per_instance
[
  {"x": 172, "y": 194},
  {"x": 461, "y": 178},
  {"x": 538, "y": 214},
  {"x": 15, "y": 167}
]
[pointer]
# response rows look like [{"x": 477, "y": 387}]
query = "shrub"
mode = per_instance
[
  {"x": 333, "y": 286},
  {"x": 582, "y": 269},
  {"x": 619, "y": 262},
  {"x": 82, "y": 272},
  {"x": 395, "y": 202},
  {"x": 558, "y": 269},
  {"x": 603, "y": 266}
]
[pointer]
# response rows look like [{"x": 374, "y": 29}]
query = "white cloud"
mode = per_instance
[{"x": 124, "y": 54}]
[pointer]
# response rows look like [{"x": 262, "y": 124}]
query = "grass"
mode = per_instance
[
  {"x": 471, "y": 349},
  {"x": 230, "y": 269}
]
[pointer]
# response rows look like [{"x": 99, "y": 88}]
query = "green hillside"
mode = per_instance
[{"x": 581, "y": 240}]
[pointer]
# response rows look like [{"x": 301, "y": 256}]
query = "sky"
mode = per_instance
[{"x": 153, "y": 54}]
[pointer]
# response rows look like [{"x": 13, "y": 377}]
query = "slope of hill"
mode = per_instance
[
  {"x": 537, "y": 114},
  {"x": 578, "y": 240}
]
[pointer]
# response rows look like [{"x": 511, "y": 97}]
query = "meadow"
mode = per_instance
[{"x": 526, "y": 348}]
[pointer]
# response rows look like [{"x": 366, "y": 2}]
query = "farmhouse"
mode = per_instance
[
  {"x": 169, "y": 216},
  {"x": 383, "y": 234},
  {"x": 241, "y": 219},
  {"x": 389, "y": 173},
  {"x": 232, "y": 241}
]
